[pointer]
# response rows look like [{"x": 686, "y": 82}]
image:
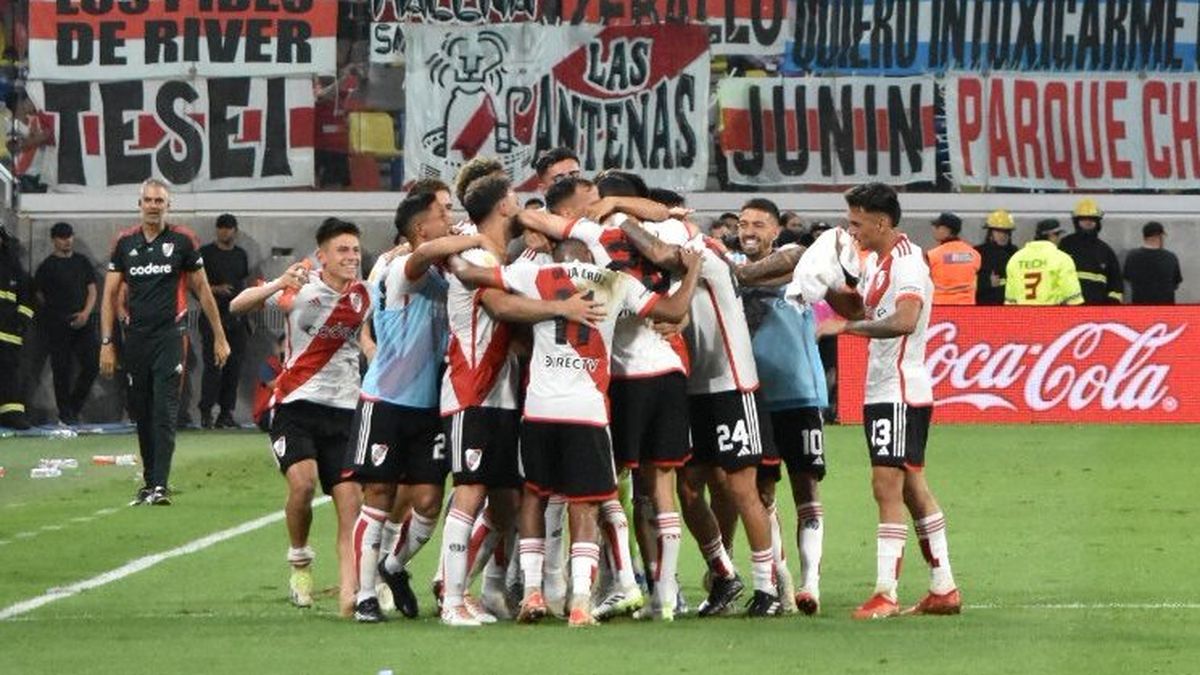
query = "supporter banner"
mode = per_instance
[
  {"x": 220, "y": 134},
  {"x": 1113, "y": 365},
  {"x": 387, "y": 43},
  {"x": 913, "y": 36},
  {"x": 1074, "y": 131},
  {"x": 634, "y": 98},
  {"x": 791, "y": 131},
  {"x": 130, "y": 39},
  {"x": 734, "y": 26}
]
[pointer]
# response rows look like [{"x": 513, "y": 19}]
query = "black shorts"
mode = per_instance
[
  {"x": 304, "y": 430},
  {"x": 800, "y": 438},
  {"x": 731, "y": 430},
  {"x": 572, "y": 460},
  {"x": 397, "y": 444},
  {"x": 650, "y": 421},
  {"x": 896, "y": 434},
  {"x": 483, "y": 447}
]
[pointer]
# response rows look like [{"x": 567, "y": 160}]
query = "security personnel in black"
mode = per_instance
[
  {"x": 66, "y": 288},
  {"x": 157, "y": 262},
  {"x": 994, "y": 253},
  {"x": 16, "y": 312},
  {"x": 227, "y": 267},
  {"x": 1095, "y": 262}
]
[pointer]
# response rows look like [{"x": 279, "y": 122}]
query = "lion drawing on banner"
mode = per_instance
[{"x": 482, "y": 115}]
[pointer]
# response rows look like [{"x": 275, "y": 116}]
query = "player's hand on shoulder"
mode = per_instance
[
  {"x": 680, "y": 212},
  {"x": 690, "y": 258},
  {"x": 581, "y": 309}
]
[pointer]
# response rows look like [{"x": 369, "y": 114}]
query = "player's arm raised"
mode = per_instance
[
  {"x": 657, "y": 251},
  {"x": 774, "y": 270},
  {"x": 901, "y": 322},
  {"x": 426, "y": 255},
  {"x": 674, "y": 307},
  {"x": 638, "y": 207},
  {"x": 255, "y": 297}
]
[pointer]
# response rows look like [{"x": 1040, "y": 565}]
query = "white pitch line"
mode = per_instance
[
  {"x": 1094, "y": 605},
  {"x": 143, "y": 563}
]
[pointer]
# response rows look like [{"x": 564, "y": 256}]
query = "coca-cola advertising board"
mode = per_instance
[{"x": 1117, "y": 365}]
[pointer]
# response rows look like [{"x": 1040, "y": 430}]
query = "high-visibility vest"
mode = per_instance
[
  {"x": 1040, "y": 274},
  {"x": 953, "y": 267}
]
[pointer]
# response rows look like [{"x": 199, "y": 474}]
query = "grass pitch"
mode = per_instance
[{"x": 1075, "y": 548}]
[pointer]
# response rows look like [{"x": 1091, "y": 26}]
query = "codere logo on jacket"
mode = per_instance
[{"x": 148, "y": 269}]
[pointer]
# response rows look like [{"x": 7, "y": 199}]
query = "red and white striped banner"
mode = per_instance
[
  {"x": 98, "y": 40},
  {"x": 238, "y": 133},
  {"x": 827, "y": 131}
]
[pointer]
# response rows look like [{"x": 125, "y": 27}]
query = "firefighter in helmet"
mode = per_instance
[
  {"x": 994, "y": 252},
  {"x": 1095, "y": 262}
]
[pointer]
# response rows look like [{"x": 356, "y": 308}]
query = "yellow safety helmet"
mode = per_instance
[
  {"x": 1000, "y": 220},
  {"x": 1087, "y": 208}
]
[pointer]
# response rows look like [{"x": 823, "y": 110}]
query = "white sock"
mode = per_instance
[
  {"x": 778, "y": 556},
  {"x": 585, "y": 558},
  {"x": 457, "y": 534},
  {"x": 496, "y": 570},
  {"x": 763, "y": 570},
  {"x": 616, "y": 528},
  {"x": 417, "y": 530},
  {"x": 931, "y": 534},
  {"x": 533, "y": 554},
  {"x": 484, "y": 538},
  {"x": 368, "y": 530},
  {"x": 670, "y": 534},
  {"x": 300, "y": 556},
  {"x": 889, "y": 542},
  {"x": 810, "y": 538},
  {"x": 718, "y": 558},
  {"x": 556, "y": 509},
  {"x": 391, "y": 534}
]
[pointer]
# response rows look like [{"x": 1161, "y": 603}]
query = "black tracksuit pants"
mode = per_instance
[{"x": 154, "y": 367}]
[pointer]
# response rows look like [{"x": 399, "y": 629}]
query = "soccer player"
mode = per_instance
[
  {"x": 554, "y": 165},
  {"x": 565, "y": 445},
  {"x": 898, "y": 401},
  {"x": 315, "y": 395},
  {"x": 794, "y": 390},
  {"x": 155, "y": 261},
  {"x": 397, "y": 429},
  {"x": 648, "y": 391},
  {"x": 479, "y": 395},
  {"x": 731, "y": 436}
]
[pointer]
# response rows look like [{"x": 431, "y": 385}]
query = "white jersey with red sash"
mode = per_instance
[
  {"x": 321, "y": 362},
  {"x": 569, "y": 369},
  {"x": 482, "y": 370}
]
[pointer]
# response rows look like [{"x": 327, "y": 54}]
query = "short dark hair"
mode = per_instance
[
  {"x": 765, "y": 205},
  {"x": 227, "y": 220},
  {"x": 333, "y": 227},
  {"x": 615, "y": 183},
  {"x": 727, "y": 214},
  {"x": 409, "y": 209},
  {"x": 564, "y": 189},
  {"x": 667, "y": 197},
  {"x": 1152, "y": 229},
  {"x": 875, "y": 198},
  {"x": 430, "y": 185},
  {"x": 551, "y": 157},
  {"x": 472, "y": 171},
  {"x": 571, "y": 249},
  {"x": 534, "y": 202},
  {"x": 483, "y": 195}
]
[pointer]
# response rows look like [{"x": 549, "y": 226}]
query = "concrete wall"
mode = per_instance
[{"x": 283, "y": 222}]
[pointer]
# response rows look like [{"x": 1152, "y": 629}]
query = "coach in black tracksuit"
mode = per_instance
[{"x": 157, "y": 262}]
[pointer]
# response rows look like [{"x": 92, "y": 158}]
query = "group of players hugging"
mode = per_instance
[{"x": 582, "y": 367}]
